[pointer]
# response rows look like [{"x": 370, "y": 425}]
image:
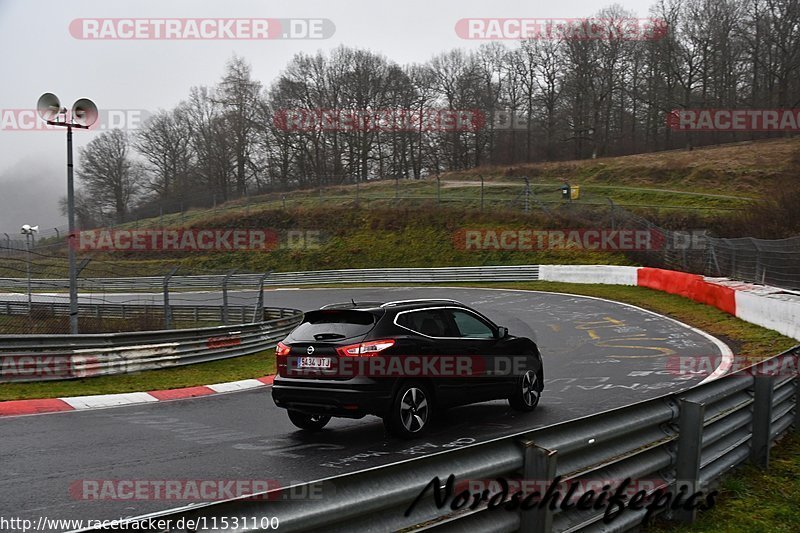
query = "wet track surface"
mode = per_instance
[{"x": 598, "y": 355}]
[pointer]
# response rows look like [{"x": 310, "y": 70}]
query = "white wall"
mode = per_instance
[{"x": 606, "y": 274}]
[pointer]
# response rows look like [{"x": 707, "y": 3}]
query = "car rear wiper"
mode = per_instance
[{"x": 322, "y": 336}]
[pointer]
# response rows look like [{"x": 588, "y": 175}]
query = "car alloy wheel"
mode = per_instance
[
  {"x": 526, "y": 397},
  {"x": 529, "y": 393},
  {"x": 414, "y": 410}
]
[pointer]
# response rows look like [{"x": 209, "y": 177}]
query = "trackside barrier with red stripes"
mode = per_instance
[
  {"x": 691, "y": 286},
  {"x": 769, "y": 307}
]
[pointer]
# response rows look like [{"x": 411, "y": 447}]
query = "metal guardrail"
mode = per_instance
[
  {"x": 184, "y": 313},
  {"x": 386, "y": 275},
  {"x": 50, "y": 357},
  {"x": 688, "y": 438}
]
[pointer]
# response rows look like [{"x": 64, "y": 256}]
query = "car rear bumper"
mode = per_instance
[{"x": 352, "y": 398}]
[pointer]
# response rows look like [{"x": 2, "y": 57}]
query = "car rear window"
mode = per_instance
[{"x": 333, "y": 325}]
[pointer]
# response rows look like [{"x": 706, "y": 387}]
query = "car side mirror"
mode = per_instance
[{"x": 502, "y": 332}]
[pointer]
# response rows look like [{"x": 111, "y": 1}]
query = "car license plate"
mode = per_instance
[{"x": 314, "y": 362}]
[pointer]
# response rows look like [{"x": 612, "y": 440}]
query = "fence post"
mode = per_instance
[
  {"x": 713, "y": 254},
  {"x": 690, "y": 446},
  {"x": 763, "y": 391},
  {"x": 358, "y": 191},
  {"x": 611, "y": 206},
  {"x": 260, "y": 303},
  {"x": 438, "y": 191},
  {"x": 225, "y": 295},
  {"x": 538, "y": 466},
  {"x": 167, "y": 307},
  {"x": 481, "y": 193},
  {"x": 527, "y": 195},
  {"x": 396, "y": 187}
]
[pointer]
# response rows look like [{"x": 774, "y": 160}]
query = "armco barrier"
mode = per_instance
[
  {"x": 182, "y": 313},
  {"x": 687, "y": 439},
  {"x": 50, "y": 357},
  {"x": 374, "y": 275}
]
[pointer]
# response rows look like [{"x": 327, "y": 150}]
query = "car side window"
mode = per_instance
[
  {"x": 470, "y": 326},
  {"x": 430, "y": 322}
]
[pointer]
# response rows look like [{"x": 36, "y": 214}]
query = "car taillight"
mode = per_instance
[
  {"x": 281, "y": 350},
  {"x": 365, "y": 349}
]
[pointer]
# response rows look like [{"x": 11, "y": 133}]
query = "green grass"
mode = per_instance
[
  {"x": 422, "y": 194},
  {"x": 350, "y": 238},
  {"x": 248, "y": 366},
  {"x": 746, "y": 168}
]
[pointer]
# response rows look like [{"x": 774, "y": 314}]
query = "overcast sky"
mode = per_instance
[{"x": 38, "y": 54}]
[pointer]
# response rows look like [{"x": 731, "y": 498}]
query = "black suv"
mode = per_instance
[{"x": 401, "y": 361}]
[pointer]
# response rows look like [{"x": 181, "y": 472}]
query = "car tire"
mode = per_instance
[
  {"x": 308, "y": 422},
  {"x": 526, "y": 393},
  {"x": 411, "y": 412}
]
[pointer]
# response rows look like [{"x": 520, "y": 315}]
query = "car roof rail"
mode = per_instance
[
  {"x": 350, "y": 305},
  {"x": 421, "y": 300}
]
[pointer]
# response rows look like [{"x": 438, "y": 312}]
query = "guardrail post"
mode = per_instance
[
  {"x": 538, "y": 467},
  {"x": 167, "y": 308},
  {"x": 797, "y": 392},
  {"x": 763, "y": 391},
  {"x": 225, "y": 296},
  {"x": 690, "y": 447}
]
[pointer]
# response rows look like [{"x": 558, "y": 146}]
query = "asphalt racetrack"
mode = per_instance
[{"x": 597, "y": 354}]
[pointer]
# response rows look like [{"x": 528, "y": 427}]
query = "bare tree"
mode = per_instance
[
  {"x": 166, "y": 144},
  {"x": 110, "y": 177}
]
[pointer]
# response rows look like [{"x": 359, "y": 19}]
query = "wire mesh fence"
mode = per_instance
[
  {"x": 761, "y": 261},
  {"x": 40, "y": 304}
]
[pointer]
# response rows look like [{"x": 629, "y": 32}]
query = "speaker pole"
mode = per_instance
[{"x": 72, "y": 240}]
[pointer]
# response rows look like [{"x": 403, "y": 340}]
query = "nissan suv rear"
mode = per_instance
[{"x": 401, "y": 361}]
